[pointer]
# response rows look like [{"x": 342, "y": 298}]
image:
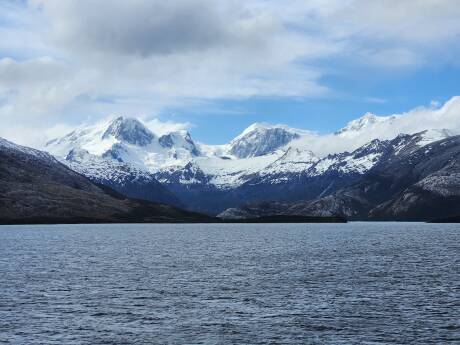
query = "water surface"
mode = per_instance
[{"x": 356, "y": 283}]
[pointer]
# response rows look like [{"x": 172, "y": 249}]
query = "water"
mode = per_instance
[{"x": 357, "y": 283}]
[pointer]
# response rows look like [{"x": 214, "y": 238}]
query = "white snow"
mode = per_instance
[
  {"x": 85, "y": 137},
  {"x": 293, "y": 160},
  {"x": 366, "y": 123},
  {"x": 431, "y": 135},
  {"x": 228, "y": 173},
  {"x": 261, "y": 138},
  {"x": 290, "y": 156},
  {"x": 99, "y": 169},
  {"x": 361, "y": 164}
]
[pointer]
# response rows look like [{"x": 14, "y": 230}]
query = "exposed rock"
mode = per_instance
[{"x": 129, "y": 130}]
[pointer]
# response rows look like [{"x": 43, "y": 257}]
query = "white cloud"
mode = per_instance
[
  {"x": 38, "y": 87},
  {"x": 164, "y": 127},
  {"x": 20, "y": 30},
  {"x": 78, "y": 60},
  {"x": 388, "y": 127},
  {"x": 145, "y": 28},
  {"x": 201, "y": 48},
  {"x": 387, "y": 33}
]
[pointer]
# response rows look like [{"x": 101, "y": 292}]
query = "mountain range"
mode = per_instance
[
  {"x": 409, "y": 182},
  {"x": 266, "y": 167}
]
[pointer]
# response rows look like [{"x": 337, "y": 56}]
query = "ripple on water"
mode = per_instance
[{"x": 356, "y": 283}]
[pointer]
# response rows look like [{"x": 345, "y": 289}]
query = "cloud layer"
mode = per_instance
[
  {"x": 433, "y": 117},
  {"x": 63, "y": 62}
]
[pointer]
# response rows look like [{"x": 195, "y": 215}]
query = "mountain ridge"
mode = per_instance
[
  {"x": 412, "y": 183},
  {"x": 264, "y": 162}
]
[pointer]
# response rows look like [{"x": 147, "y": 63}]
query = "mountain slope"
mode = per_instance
[
  {"x": 124, "y": 178},
  {"x": 35, "y": 187},
  {"x": 413, "y": 184},
  {"x": 409, "y": 182},
  {"x": 432, "y": 176}
]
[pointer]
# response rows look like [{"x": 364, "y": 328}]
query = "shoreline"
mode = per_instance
[{"x": 210, "y": 220}]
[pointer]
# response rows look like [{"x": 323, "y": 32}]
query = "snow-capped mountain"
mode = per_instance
[
  {"x": 409, "y": 182},
  {"x": 128, "y": 140},
  {"x": 260, "y": 139},
  {"x": 124, "y": 178},
  {"x": 179, "y": 140},
  {"x": 264, "y": 162},
  {"x": 366, "y": 123},
  {"x": 130, "y": 131},
  {"x": 119, "y": 154}
]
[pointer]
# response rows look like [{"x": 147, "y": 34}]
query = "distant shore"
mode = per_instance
[{"x": 210, "y": 220}]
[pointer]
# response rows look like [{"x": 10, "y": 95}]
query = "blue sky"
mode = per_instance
[
  {"x": 215, "y": 67},
  {"x": 390, "y": 95}
]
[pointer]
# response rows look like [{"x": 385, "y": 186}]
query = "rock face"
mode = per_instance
[
  {"x": 35, "y": 187},
  {"x": 179, "y": 140},
  {"x": 428, "y": 181},
  {"x": 409, "y": 182},
  {"x": 130, "y": 131}
]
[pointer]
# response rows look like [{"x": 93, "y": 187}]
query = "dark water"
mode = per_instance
[{"x": 351, "y": 283}]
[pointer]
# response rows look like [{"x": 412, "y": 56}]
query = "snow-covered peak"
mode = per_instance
[
  {"x": 179, "y": 139},
  {"x": 129, "y": 130},
  {"x": 256, "y": 126},
  {"x": 128, "y": 141},
  {"x": 261, "y": 139},
  {"x": 122, "y": 134},
  {"x": 261, "y": 127},
  {"x": 362, "y": 124}
]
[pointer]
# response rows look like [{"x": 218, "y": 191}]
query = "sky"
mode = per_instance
[{"x": 216, "y": 66}]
